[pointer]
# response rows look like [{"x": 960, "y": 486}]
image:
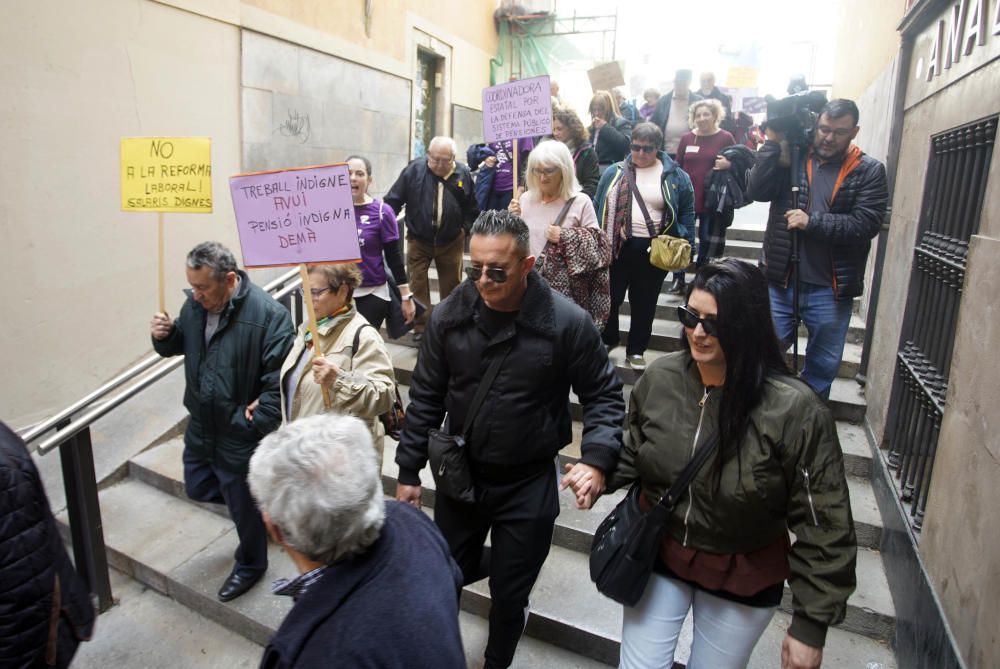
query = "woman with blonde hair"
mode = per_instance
[
  {"x": 573, "y": 252},
  {"x": 610, "y": 132},
  {"x": 698, "y": 154},
  {"x": 355, "y": 367}
]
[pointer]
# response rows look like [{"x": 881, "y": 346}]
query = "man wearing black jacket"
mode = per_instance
[
  {"x": 842, "y": 203},
  {"x": 440, "y": 200},
  {"x": 547, "y": 345}
]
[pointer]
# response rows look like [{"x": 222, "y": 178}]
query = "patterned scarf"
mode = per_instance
[
  {"x": 620, "y": 211},
  {"x": 325, "y": 320}
]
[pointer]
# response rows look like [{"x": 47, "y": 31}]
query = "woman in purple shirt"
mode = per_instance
[{"x": 378, "y": 236}]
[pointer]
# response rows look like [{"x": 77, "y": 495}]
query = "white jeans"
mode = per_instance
[{"x": 725, "y": 632}]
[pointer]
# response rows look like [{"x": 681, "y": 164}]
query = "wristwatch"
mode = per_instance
[{"x": 407, "y": 297}]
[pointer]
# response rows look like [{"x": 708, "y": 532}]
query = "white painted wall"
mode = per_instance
[{"x": 78, "y": 277}]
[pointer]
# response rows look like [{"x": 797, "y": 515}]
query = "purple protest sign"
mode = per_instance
[
  {"x": 517, "y": 109},
  {"x": 288, "y": 217}
]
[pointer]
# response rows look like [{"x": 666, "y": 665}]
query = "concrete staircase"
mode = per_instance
[{"x": 184, "y": 550}]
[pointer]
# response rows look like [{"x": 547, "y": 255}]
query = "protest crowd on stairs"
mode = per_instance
[{"x": 556, "y": 390}]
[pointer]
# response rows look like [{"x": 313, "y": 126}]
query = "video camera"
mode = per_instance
[{"x": 795, "y": 116}]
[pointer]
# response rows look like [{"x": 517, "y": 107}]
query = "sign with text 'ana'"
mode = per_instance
[
  {"x": 295, "y": 216},
  {"x": 167, "y": 174},
  {"x": 517, "y": 109}
]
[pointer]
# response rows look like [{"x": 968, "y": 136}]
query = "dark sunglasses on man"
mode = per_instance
[
  {"x": 494, "y": 274},
  {"x": 690, "y": 319},
  {"x": 643, "y": 148}
]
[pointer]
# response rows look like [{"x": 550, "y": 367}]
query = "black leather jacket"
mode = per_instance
[
  {"x": 855, "y": 216},
  {"x": 525, "y": 418},
  {"x": 416, "y": 189}
]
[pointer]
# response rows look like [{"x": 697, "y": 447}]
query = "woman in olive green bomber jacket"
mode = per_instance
[{"x": 778, "y": 468}]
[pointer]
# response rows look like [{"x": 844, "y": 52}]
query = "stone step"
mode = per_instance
[
  {"x": 666, "y": 309},
  {"x": 666, "y": 336},
  {"x": 853, "y": 442},
  {"x": 158, "y": 559},
  {"x": 568, "y": 611},
  {"x": 846, "y": 400},
  {"x": 745, "y": 233},
  {"x": 186, "y": 552},
  {"x": 161, "y": 467}
]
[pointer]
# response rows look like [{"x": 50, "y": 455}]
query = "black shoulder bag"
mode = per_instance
[
  {"x": 392, "y": 420},
  {"x": 627, "y": 541},
  {"x": 446, "y": 452}
]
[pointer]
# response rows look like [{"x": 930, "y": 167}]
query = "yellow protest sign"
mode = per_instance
[
  {"x": 742, "y": 77},
  {"x": 167, "y": 174}
]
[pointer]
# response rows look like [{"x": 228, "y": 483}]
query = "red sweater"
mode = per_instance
[{"x": 700, "y": 160}]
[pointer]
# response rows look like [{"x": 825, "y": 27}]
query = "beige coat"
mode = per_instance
[{"x": 364, "y": 386}]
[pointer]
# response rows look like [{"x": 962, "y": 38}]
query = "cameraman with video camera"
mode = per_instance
[{"x": 828, "y": 200}]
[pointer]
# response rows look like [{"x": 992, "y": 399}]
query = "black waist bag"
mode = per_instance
[{"x": 447, "y": 453}]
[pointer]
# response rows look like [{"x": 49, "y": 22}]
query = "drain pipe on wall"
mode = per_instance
[{"x": 892, "y": 162}]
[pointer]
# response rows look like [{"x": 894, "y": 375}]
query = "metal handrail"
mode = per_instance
[
  {"x": 277, "y": 288},
  {"x": 85, "y": 402}
]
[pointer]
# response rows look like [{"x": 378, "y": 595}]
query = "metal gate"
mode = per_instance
[{"x": 953, "y": 199}]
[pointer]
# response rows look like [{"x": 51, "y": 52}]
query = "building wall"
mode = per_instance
[
  {"x": 959, "y": 539},
  {"x": 79, "y": 277},
  {"x": 872, "y": 24}
]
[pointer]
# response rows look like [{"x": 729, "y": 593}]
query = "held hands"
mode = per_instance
[
  {"x": 553, "y": 233},
  {"x": 410, "y": 494},
  {"x": 409, "y": 310},
  {"x": 722, "y": 163},
  {"x": 587, "y": 483},
  {"x": 797, "y": 219},
  {"x": 514, "y": 207},
  {"x": 490, "y": 161},
  {"x": 324, "y": 372},
  {"x": 599, "y": 122},
  {"x": 160, "y": 326},
  {"x": 797, "y": 655}
]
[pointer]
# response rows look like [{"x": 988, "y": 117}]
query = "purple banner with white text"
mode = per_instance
[{"x": 288, "y": 217}]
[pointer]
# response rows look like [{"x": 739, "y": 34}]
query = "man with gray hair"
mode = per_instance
[
  {"x": 440, "y": 201},
  {"x": 377, "y": 586},
  {"x": 233, "y": 337},
  {"x": 506, "y": 340}
]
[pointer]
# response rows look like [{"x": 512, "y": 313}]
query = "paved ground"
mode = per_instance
[{"x": 149, "y": 631}]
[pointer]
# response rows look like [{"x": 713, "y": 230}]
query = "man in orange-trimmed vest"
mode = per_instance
[{"x": 841, "y": 205}]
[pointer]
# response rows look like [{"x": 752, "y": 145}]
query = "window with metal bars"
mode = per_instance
[{"x": 953, "y": 199}]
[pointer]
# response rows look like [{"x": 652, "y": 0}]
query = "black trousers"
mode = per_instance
[
  {"x": 373, "y": 308},
  {"x": 632, "y": 271},
  {"x": 204, "y": 482},
  {"x": 519, "y": 517}
]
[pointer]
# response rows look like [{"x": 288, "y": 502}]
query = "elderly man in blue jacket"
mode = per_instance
[{"x": 376, "y": 585}]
